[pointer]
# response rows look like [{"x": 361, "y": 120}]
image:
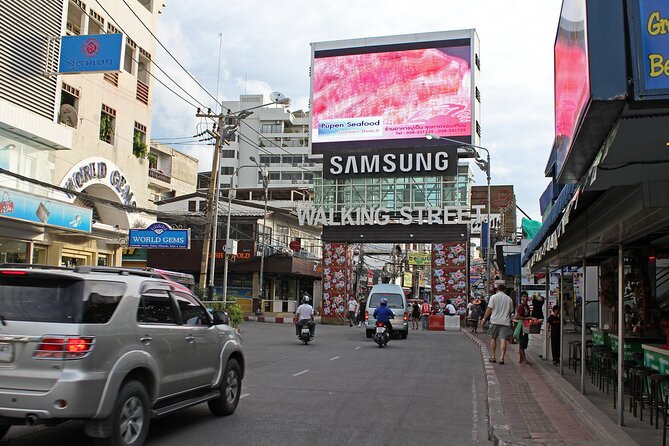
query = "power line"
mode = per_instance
[
  {"x": 154, "y": 63},
  {"x": 163, "y": 46}
]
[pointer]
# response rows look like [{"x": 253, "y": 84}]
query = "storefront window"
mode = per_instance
[
  {"x": 72, "y": 262},
  {"x": 39, "y": 255},
  {"x": 13, "y": 251},
  {"x": 103, "y": 259}
]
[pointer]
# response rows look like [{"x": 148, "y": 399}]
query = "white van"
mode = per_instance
[{"x": 397, "y": 302}]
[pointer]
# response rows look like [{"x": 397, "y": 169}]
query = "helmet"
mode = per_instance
[
  {"x": 383, "y": 301},
  {"x": 305, "y": 299}
]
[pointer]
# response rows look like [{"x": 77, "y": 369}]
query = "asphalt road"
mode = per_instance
[{"x": 342, "y": 389}]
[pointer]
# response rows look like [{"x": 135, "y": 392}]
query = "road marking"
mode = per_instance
[
  {"x": 336, "y": 357},
  {"x": 244, "y": 395},
  {"x": 475, "y": 412},
  {"x": 357, "y": 348},
  {"x": 301, "y": 373}
]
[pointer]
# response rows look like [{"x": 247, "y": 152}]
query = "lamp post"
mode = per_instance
[
  {"x": 227, "y": 125},
  {"x": 484, "y": 165},
  {"x": 265, "y": 184},
  {"x": 231, "y": 195}
]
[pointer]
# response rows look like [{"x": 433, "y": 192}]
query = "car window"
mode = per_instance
[
  {"x": 192, "y": 312},
  {"x": 156, "y": 307},
  {"x": 395, "y": 301},
  {"x": 32, "y": 298},
  {"x": 101, "y": 301}
]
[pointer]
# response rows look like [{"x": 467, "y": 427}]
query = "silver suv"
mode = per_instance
[{"x": 112, "y": 346}]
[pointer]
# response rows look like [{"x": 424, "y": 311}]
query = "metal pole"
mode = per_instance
[
  {"x": 489, "y": 225},
  {"x": 547, "y": 309},
  {"x": 561, "y": 321},
  {"x": 621, "y": 334},
  {"x": 262, "y": 252},
  {"x": 210, "y": 207},
  {"x": 583, "y": 325},
  {"x": 214, "y": 235},
  {"x": 227, "y": 241}
]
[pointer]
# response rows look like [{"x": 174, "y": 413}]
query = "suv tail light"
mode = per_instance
[
  {"x": 64, "y": 347},
  {"x": 366, "y": 315},
  {"x": 406, "y": 316}
]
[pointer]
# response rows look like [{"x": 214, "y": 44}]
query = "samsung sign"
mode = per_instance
[
  {"x": 392, "y": 163},
  {"x": 90, "y": 54}
]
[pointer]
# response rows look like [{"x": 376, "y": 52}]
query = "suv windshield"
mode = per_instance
[
  {"x": 394, "y": 300},
  {"x": 58, "y": 299}
]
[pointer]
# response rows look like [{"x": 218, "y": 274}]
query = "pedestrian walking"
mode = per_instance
[
  {"x": 352, "y": 310},
  {"x": 474, "y": 313},
  {"x": 425, "y": 310},
  {"x": 415, "y": 315},
  {"x": 523, "y": 317},
  {"x": 361, "y": 311},
  {"x": 499, "y": 311},
  {"x": 554, "y": 333}
]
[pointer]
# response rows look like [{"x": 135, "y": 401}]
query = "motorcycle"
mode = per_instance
[
  {"x": 381, "y": 336},
  {"x": 305, "y": 334}
]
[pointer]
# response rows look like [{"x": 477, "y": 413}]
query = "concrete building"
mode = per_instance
[
  {"x": 171, "y": 173},
  {"x": 80, "y": 132},
  {"x": 277, "y": 138}
]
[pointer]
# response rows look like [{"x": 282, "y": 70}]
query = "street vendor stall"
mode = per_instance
[
  {"x": 632, "y": 343},
  {"x": 656, "y": 357}
]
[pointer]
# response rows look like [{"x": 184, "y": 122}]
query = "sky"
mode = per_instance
[{"x": 264, "y": 46}]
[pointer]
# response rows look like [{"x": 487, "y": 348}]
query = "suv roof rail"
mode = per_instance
[
  {"x": 32, "y": 266},
  {"x": 116, "y": 270}
]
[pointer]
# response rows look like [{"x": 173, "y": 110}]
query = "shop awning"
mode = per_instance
[{"x": 551, "y": 221}]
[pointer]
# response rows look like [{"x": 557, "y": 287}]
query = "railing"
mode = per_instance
[
  {"x": 155, "y": 173},
  {"x": 142, "y": 92}
]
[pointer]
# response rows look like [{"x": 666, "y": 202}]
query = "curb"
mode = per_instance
[
  {"x": 272, "y": 319},
  {"x": 498, "y": 426}
]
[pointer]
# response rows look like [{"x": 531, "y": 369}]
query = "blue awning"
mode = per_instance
[{"x": 551, "y": 220}]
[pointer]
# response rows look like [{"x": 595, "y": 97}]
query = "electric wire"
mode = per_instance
[
  {"x": 163, "y": 47},
  {"x": 154, "y": 63}
]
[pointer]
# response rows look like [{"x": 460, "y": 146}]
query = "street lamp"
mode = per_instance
[
  {"x": 265, "y": 184},
  {"x": 484, "y": 165}
]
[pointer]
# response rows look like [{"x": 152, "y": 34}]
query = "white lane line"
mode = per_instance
[
  {"x": 357, "y": 348},
  {"x": 244, "y": 395},
  {"x": 336, "y": 357},
  {"x": 475, "y": 412},
  {"x": 301, "y": 373}
]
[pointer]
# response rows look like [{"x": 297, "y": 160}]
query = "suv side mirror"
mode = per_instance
[{"x": 221, "y": 317}]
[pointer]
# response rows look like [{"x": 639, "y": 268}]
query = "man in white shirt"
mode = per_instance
[
  {"x": 450, "y": 309},
  {"x": 305, "y": 315},
  {"x": 499, "y": 311},
  {"x": 352, "y": 310}
]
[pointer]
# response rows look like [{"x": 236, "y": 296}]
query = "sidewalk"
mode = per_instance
[{"x": 530, "y": 405}]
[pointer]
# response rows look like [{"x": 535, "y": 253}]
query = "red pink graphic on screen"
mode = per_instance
[{"x": 408, "y": 93}]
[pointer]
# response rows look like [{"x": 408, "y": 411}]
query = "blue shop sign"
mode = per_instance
[
  {"x": 92, "y": 53},
  {"x": 27, "y": 207},
  {"x": 159, "y": 236},
  {"x": 650, "y": 47}
]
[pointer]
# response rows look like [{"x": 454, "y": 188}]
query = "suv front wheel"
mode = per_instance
[
  {"x": 130, "y": 423},
  {"x": 231, "y": 387}
]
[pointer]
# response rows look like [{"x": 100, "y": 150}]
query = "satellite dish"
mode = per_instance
[
  {"x": 68, "y": 115},
  {"x": 275, "y": 96}
]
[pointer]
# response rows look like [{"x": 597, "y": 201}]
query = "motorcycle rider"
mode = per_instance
[
  {"x": 384, "y": 314},
  {"x": 305, "y": 315}
]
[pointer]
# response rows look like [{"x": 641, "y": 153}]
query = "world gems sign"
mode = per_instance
[{"x": 160, "y": 236}]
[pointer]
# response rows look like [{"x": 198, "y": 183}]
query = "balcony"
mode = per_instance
[{"x": 158, "y": 175}]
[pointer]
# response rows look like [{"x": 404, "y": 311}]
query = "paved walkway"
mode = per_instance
[{"x": 533, "y": 404}]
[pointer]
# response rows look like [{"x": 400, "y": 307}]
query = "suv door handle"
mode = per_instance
[
  {"x": 190, "y": 338},
  {"x": 146, "y": 340}
]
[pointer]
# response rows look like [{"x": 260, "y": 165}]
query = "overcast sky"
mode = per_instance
[{"x": 265, "y": 47}]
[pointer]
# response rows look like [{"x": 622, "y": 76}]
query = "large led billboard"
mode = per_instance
[
  {"x": 389, "y": 92},
  {"x": 572, "y": 76}
]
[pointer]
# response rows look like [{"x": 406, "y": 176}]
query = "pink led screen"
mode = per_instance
[
  {"x": 392, "y": 94},
  {"x": 572, "y": 77}
]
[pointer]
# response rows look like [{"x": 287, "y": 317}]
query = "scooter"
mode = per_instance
[
  {"x": 305, "y": 334},
  {"x": 381, "y": 337}
]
